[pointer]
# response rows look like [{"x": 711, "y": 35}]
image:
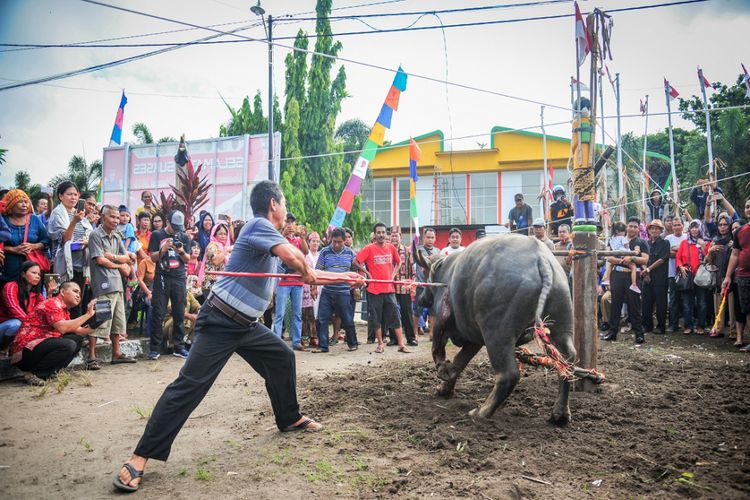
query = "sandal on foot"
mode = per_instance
[
  {"x": 745, "y": 349},
  {"x": 134, "y": 474},
  {"x": 307, "y": 424},
  {"x": 379, "y": 349},
  {"x": 32, "y": 379},
  {"x": 123, "y": 359},
  {"x": 93, "y": 364},
  {"x": 404, "y": 349},
  {"x": 738, "y": 344}
]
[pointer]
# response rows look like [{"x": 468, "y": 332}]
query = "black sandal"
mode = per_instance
[
  {"x": 134, "y": 474},
  {"x": 302, "y": 426}
]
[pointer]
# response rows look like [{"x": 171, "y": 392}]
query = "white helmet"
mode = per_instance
[{"x": 558, "y": 187}]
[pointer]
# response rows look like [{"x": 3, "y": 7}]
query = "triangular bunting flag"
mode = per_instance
[
  {"x": 392, "y": 98},
  {"x": 378, "y": 134},
  {"x": 385, "y": 116},
  {"x": 400, "y": 80}
]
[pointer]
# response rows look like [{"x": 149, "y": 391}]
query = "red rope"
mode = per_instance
[{"x": 346, "y": 280}]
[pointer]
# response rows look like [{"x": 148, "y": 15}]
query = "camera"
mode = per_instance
[
  {"x": 102, "y": 313},
  {"x": 177, "y": 243}
]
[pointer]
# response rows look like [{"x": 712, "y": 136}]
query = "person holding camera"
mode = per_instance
[
  {"x": 48, "y": 339},
  {"x": 167, "y": 249},
  {"x": 109, "y": 263}
]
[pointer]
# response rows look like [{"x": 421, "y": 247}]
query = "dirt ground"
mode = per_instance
[{"x": 671, "y": 421}]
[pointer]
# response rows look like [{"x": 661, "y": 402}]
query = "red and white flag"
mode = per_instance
[
  {"x": 746, "y": 79},
  {"x": 583, "y": 42},
  {"x": 644, "y": 107},
  {"x": 574, "y": 83},
  {"x": 671, "y": 90},
  {"x": 704, "y": 81}
]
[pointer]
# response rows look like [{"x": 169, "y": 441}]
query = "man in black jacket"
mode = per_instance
[{"x": 656, "y": 280}]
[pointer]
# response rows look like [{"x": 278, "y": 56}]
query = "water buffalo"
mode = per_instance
[{"x": 497, "y": 289}]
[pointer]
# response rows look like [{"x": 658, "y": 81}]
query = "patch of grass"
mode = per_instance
[
  {"x": 85, "y": 379},
  {"x": 203, "y": 475},
  {"x": 205, "y": 460},
  {"x": 154, "y": 367},
  {"x": 360, "y": 464},
  {"x": 183, "y": 472},
  {"x": 323, "y": 471},
  {"x": 62, "y": 380},
  {"x": 688, "y": 478},
  {"x": 143, "y": 412},
  {"x": 40, "y": 392},
  {"x": 86, "y": 445},
  {"x": 672, "y": 432},
  {"x": 367, "y": 482},
  {"x": 334, "y": 437},
  {"x": 282, "y": 457},
  {"x": 234, "y": 444}
]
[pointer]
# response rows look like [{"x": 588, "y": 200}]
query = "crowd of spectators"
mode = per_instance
[{"x": 62, "y": 260}]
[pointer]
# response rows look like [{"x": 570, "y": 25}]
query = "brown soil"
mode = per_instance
[{"x": 671, "y": 421}]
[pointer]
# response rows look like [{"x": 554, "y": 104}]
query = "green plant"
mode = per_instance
[
  {"x": 144, "y": 413},
  {"x": 282, "y": 457},
  {"x": 203, "y": 475},
  {"x": 62, "y": 380},
  {"x": 183, "y": 472},
  {"x": 360, "y": 464},
  {"x": 206, "y": 460},
  {"x": 85, "y": 379},
  {"x": 86, "y": 445},
  {"x": 40, "y": 392}
]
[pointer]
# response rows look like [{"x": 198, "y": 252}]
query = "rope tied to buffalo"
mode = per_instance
[{"x": 553, "y": 359}]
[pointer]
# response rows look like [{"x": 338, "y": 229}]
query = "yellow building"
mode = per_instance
[{"x": 463, "y": 188}]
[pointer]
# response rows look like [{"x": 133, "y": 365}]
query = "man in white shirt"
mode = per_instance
[
  {"x": 675, "y": 238},
  {"x": 454, "y": 242}
]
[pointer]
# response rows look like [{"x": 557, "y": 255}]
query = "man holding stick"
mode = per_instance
[{"x": 228, "y": 323}]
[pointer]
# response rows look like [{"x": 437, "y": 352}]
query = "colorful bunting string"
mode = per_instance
[{"x": 376, "y": 138}]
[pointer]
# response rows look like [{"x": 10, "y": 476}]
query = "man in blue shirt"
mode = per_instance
[
  {"x": 228, "y": 323},
  {"x": 336, "y": 258}
]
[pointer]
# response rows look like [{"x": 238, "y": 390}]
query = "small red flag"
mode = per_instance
[{"x": 671, "y": 90}]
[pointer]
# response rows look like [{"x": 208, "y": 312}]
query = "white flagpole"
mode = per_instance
[
  {"x": 711, "y": 175},
  {"x": 601, "y": 124},
  {"x": 675, "y": 188},
  {"x": 645, "y": 170},
  {"x": 545, "y": 201},
  {"x": 620, "y": 179}
]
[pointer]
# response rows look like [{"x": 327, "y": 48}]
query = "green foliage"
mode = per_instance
[
  {"x": 85, "y": 175},
  {"x": 246, "y": 119},
  {"x": 23, "y": 182},
  {"x": 730, "y": 130},
  {"x": 167, "y": 138},
  {"x": 353, "y": 134},
  {"x": 142, "y": 133}
]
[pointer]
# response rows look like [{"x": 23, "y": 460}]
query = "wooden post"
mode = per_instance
[{"x": 586, "y": 337}]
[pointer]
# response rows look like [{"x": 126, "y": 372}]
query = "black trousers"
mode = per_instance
[
  {"x": 216, "y": 338},
  {"x": 174, "y": 290},
  {"x": 78, "y": 310},
  {"x": 655, "y": 294},
  {"x": 50, "y": 355},
  {"x": 675, "y": 305},
  {"x": 620, "y": 285},
  {"x": 407, "y": 323}
]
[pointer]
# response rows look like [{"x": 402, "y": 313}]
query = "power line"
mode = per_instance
[{"x": 327, "y": 35}]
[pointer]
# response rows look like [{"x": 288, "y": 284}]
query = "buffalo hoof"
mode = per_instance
[
  {"x": 478, "y": 414},
  {"x": 444, "y": 390},
  {"x": 560, "y": 418}
]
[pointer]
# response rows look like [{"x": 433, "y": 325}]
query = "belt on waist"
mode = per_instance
[{"x": 230, "y": 312}]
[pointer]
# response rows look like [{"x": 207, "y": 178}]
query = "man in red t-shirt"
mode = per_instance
[
  {"x": 740, "y": 261},
  {"x": 382, "y": 261}
]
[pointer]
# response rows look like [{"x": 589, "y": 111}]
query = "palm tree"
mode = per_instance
[
  {"x": 142, "y": 133},
  {"x": 23, "y": 182},
  {"x": 86, "y": 176}
]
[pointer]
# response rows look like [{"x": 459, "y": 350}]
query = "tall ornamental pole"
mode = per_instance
[
  {"x": 644, "y": 206},
  {"x": 620, "y": 177},
  {"x": 675, "y": 184},
  {"x": 545, "y": 187},
  {"x": 709, "y": 145}
]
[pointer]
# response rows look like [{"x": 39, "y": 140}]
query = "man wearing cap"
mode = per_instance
[
  {"x": 168, "y": 250},
  {"x": 560, "y": 210},
  {"x": 656, "y": 279},
  {"x": 291, "y": 288},
  {"x": 520, "y": 216},
  {"x": 540, "y": 233}
]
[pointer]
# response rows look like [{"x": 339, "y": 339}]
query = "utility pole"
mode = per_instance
[
  {"x": 260, "y": 11},
  {"x": 545, "y": 186}
]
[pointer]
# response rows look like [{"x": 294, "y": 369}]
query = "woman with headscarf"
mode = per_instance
[
  {"x": 690, "y": 255},
  {"x": 205, "y": 230},
  {"x": 718, "y": 255},
  {"x": 215, "y": 257},
  {"x": 17, "y": 216}
]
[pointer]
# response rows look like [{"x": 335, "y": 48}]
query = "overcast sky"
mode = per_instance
[{"x": 42, "y": 126}]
